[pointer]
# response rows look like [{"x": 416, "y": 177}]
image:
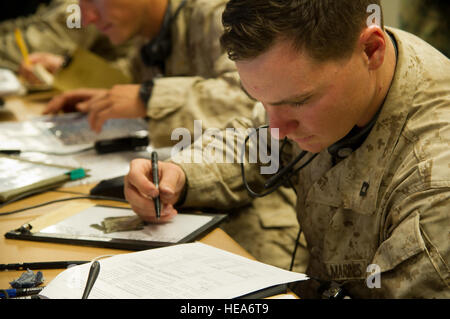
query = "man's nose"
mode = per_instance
[
  {"x": 89, "y": 14},
  {"x": 281, "y": 120}
]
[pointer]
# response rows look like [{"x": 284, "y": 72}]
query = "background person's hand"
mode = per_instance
[
  {"x": 51, "y": 62},
  {"x": 70, "y": 100},
  {"x": 139, "y": 189},
  {"x": 121, "y": 101}
]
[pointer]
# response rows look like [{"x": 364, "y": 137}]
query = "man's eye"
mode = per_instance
[{"x": 297, "y": 104}]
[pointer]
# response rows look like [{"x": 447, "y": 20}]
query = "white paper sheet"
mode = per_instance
[
  {"x": 9, "y": 83},
  {"x": 195, "y": 271}
]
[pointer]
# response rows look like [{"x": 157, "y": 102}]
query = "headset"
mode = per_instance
[
  {"x": 284, "y": 174},
  {"x": 158, "y": 49},
  {"x": 338, "y": 151}
]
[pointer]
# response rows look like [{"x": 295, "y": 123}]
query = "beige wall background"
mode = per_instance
[{"x": 391, "y": 10}]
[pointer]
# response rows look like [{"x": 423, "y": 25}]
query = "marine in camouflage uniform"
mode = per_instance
[
  {"x": 47, "y": 31},
  {"x": 428, "y": 19},
  {"x": 387, "y": 203}
]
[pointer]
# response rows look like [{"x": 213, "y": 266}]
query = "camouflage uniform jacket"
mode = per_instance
[
  {"x": 200, "y": 82},
  {"x": 387, "y": 204}
]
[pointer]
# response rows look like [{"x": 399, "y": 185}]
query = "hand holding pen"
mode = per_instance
[{"x": 151, "y": 181}]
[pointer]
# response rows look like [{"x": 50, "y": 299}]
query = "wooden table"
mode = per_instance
[
  {"x": 18, "y": 251},
  {"x": 24, "y": 108}
]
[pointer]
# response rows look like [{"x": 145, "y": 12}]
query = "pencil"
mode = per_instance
[{"x": 22, "y": 46}]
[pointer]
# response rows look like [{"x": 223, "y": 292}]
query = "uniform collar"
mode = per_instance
[
  {"x": 354, "y": 182},
  {"x": 157, "y": 50},
  {"x": 354, "y": 139}
]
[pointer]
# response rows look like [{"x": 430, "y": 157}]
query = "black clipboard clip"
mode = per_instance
[{"x": 24, "y": 229}]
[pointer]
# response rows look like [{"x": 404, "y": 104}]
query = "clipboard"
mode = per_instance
[{"x": 75, "y": 224}]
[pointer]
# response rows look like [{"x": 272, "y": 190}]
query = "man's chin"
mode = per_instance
[{"x": 116, "y": 40}]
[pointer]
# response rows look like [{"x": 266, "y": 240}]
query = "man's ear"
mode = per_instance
[{"x": 373, "y": 42}]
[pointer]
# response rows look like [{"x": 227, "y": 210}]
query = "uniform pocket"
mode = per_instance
[{"x": 405, "y": 242}]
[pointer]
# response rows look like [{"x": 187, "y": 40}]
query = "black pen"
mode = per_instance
[
  {"x": 156, "y": 182},
  {"x": 10, "y": 152},
  {"x": 42, "y": 265},
  {"x": 19, "y": 292},
  {"x": 92, "y": 277}
]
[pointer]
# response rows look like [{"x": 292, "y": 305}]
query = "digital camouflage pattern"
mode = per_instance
[{"x": 386, "y": 204}]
